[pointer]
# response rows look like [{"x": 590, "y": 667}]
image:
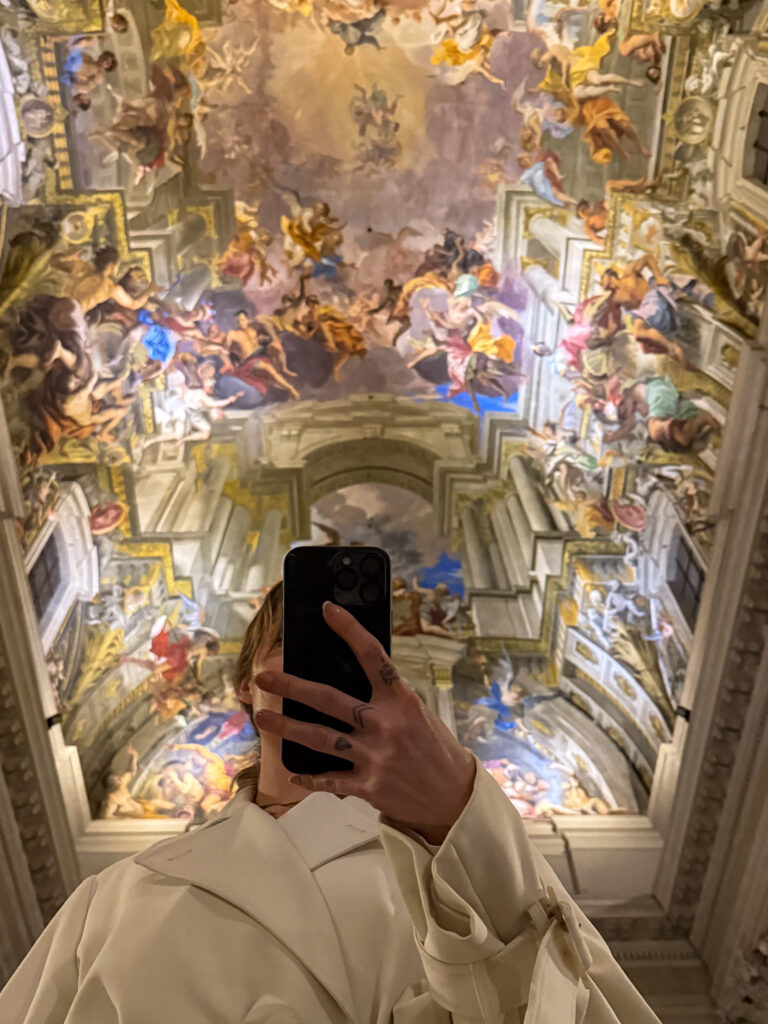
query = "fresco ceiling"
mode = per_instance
[{"x": 459, "y": 278}]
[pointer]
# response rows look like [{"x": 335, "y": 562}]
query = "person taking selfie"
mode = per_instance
[{"x": 402, "y": 891}]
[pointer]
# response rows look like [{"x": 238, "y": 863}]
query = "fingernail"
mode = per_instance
[
  {"x": 264, "y": 679},
  {"x": 328, "y": 606},
  {"x": 262, "y": 716}
]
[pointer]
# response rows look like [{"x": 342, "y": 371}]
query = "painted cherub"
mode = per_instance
[{"x": 226, "y": 67}]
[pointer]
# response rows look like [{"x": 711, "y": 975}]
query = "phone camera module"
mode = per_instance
[
  {"x": 370, "y": 566},
  {"x": 370, "y": 592},
  {"x": 346, "y": 560},
  {"x": 346, "y": 579}
]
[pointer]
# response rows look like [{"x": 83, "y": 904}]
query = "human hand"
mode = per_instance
[{"x": 407, "y": 762}]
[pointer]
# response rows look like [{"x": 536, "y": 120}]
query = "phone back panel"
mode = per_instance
[{"x": 311, "y": 650}]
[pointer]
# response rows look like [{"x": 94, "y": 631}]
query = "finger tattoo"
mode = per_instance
[
  {"x": 357, "y": 713},
  {"x": 388, "y": 672},
  {"x": 342, "y": 743}
]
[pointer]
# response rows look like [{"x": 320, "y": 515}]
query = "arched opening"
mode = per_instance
[{"x": 368, "y": 460}]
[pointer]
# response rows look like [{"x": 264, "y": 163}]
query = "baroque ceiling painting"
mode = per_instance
[{"x": 465, "y": 279}]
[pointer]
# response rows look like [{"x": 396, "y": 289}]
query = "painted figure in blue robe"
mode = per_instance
[
  {"x": 542, "y": 172},
  {"x": 159, "y": 342}
]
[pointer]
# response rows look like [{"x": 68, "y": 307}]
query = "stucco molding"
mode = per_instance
[
  {"x": 724, "y": 665},
  {"x": 745, "y": 998},
  {"x": 38, "y": 863}
]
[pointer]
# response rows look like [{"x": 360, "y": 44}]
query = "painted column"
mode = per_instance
[
  {"x": 500, "y": 577},
  {"x": 199, "y": 511},
  {"x": 534, "y": 506},
  {"x": 552, "y": 236},
  {"x": 522, "y": 530},
  {"x": 509, "y": 546},
  {"x": 443, "y": 681},
  {"x": 546, "y": 287},
  {"x": 560, "y": 518},
  {"x": 267, "y": 563},
  {"x": 273, "y": 555},
  {"x": 480, "y": 568},
  {"x": 229, "y": 565}
]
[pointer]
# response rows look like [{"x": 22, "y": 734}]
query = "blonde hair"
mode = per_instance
[{"x": 264, "y": 633}]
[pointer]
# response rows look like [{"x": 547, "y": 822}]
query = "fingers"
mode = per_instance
[
  {"x": 316, "y": 737},
  {"x": 319, "y": 696},
  {"x": 377, "y": 665}
]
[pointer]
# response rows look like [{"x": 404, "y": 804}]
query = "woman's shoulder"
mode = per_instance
[
  {"x": 128, "y": 869},
  {"x": 118, "y": 887}
]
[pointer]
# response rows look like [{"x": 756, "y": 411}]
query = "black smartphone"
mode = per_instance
[{"x": 358, "y": 579}]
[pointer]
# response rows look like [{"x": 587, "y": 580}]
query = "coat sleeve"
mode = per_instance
[
  {"x": 42, "y": 988},
  {"x": 499, "y": 936}
]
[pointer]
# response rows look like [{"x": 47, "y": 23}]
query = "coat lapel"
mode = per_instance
[{"x": 265, "y": 869}]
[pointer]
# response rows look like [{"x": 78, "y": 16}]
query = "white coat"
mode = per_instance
[{"x": 328, "y": 915}]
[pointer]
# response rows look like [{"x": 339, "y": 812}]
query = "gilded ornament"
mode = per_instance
[
  {"x": 442, "y": 677},
  {"x": 102, "y": 653},
  {"x": 580, "y": 702},
  {"x": 540, "y": 726},
  {"x": 208, "y": 214},
  {"x": 162, "y": 551},
  {"x": 625, "y": 687},
  {"x": 586, "y": 652},
  {"x": 37, "y": 115},
  {"x": 693, "y": 120},
  {"x": 66, "y": 12},
  {"x": 659, "y": 729},
  {"x": 529, "y": 212}
]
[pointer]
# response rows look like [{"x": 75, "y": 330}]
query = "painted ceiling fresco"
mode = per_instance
[{"x": 510, "y": 213}]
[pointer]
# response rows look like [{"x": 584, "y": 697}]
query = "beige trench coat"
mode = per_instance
[{"x": 327, "y": 916}]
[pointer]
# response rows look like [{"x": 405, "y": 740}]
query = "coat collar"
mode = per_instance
[{"x": 264, "y": 867}]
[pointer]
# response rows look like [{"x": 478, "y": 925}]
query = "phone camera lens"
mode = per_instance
[
  {"x": 346, "y": 579},
  {"x": 370, "y": 592},
  {"x": 370, "y": 566}
]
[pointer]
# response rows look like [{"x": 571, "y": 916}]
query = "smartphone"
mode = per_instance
[{"x": 358, "y": 579}]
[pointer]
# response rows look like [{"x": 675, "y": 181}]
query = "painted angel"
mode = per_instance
[
  {"x": 227, "y": 67},
  {"x": 546, "y": 116},
  {"x": 248, "y": 250},
  {"x": 309, "y": 232},
  {"x": 466, "y": 51}
]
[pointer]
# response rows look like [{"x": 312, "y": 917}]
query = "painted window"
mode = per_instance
[
  {"x": 45, "y": 577},
  {"x": 756, "y": 154},
  {"x": 686, "y": 580}
]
